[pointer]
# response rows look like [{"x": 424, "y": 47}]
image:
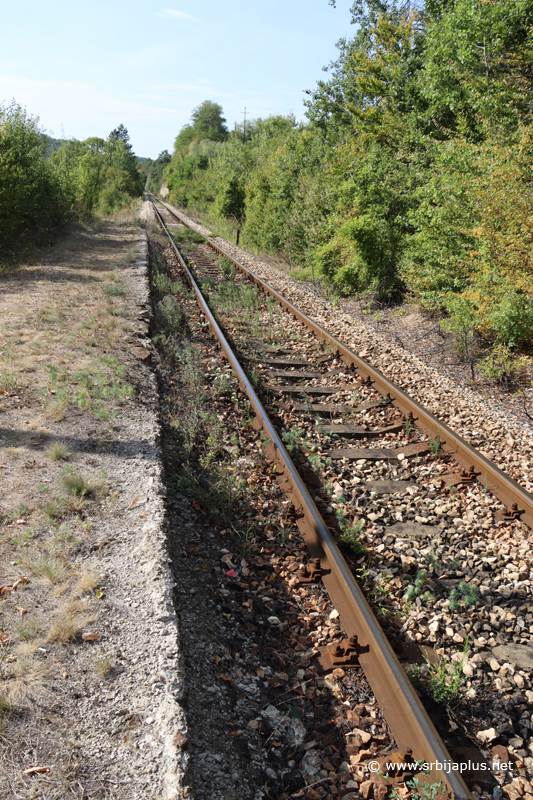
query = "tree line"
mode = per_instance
[
  {"x": 44, "y": 181},
  {"x": 412, "y": 175}
]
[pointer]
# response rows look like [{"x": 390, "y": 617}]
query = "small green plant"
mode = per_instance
[
  {"x": 64, "y": 534},
  {"x": 446, "y": 677},
  {"x": 293, "y": 439},
  {"x": 104, "y": 414},
  {"x": 212, "y": 445},
  {"x": 5, "y": 712},
  {"x": 435, "y": 445},
  {"x": 425, "y": 791},
  {"x": 24, "y": 539},
  {"x": 416, "y": 589},
  {"x": 169, "y": 313},
  {"x": 464, "y": 595},
  {"x": 54, "y": 508},
  {"x": 434, "y": 562},
  {"x": 414, "y": 673},
  {"x": 182, "y": 484},
  {"x": 350, "y": 535},
  {"x": 408, "y": 427},
  {"x": 502, "y": 364},
  {"x": 21, "y": 511},
  {"x": 82, "y": 398},
  {"x": 226, "y": 267},
  {"x": 161, "y": 282},
  {"x": 78, "y": 485},
  {"x": 8, "y": 379},
  {"x": 114, "y": 291}
]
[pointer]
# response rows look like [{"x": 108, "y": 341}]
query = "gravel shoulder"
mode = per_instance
[{"x": 89, "y": 659}]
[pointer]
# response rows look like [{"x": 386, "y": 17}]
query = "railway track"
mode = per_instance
[{"x": 307, "y": 382}]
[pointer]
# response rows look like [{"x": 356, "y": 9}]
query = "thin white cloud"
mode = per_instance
[{"x": 172, "y": 13}]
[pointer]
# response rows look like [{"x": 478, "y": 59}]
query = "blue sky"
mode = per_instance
[{"x": 84, "y": 68}]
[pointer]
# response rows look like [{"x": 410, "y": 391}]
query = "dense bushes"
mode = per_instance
[
  {"x": 40, "y": 186},
  {"x": 30, "y": 198}
]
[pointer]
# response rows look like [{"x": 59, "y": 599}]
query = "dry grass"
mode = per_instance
[
  {"x": 65, "y": 629},
  {"x": 62, "y": 604},
  {"x": 103, "y": 665},
  {"x": 58, "y": 451},
  {"x": 28, "y": 678},
  {"x": 5, "y": 712},
  {"x": 49, "y": 568},
  {"x": 60, "y": 589},
  {"x": 9, "y": 379},
  {"x": 89, "y": 581},
  {"x": 74, "y": 606},
  {"x": 55, "y": 410},
  {"x": 15, "y": 452},
  {"x": 29, "y": 628},
  {"x": 29, "y": 648}
]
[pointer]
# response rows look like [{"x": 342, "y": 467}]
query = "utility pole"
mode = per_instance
[{"x": 244, "y": 112}]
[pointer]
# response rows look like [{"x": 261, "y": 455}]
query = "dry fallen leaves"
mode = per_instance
[
  {"x": 90, "y": 637},
  {"x": 180, "y": 740},
  {"x": 225, "y": 677}
]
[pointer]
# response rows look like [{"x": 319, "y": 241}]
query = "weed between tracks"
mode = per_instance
[
  {"x": 207, "y": 454},
  {"x": 241, "y": 310}
]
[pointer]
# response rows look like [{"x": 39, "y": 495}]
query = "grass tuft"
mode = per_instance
[
  {"x": 65, "y": 629},
  {"x": 15, "y": 452},
  {"x": 28, "y": 678},
  {"x": 103, "y": 665},
  {"x": 89, "y": 581},
  {"x": 51, "y": 569},
  {"x": 78, "y": 485},
  {"x": 54, "y": 508},
  {"x": 5, "y": 712},
  {"x": 58, "y": 451},
  {"x": 29, "y": 629}
]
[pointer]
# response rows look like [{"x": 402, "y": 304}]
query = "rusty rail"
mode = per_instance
[
  {"x": 491, "y": 477},
  {"x": 408, "y": 721}
]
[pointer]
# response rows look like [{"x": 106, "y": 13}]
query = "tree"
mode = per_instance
[
  {"x": 29, "y": 193},
  {"x": 208, "y": 122},
  {"x": 120, "y": 134},
  {"x": 477, "y": 64}
]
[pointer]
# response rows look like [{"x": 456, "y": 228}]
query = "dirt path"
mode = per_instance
[{"x": 88, "y": 645}]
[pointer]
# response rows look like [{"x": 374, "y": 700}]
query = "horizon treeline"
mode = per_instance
[
  {"x": 44, "y": 181},
  {"x": 413, "y": 174}
]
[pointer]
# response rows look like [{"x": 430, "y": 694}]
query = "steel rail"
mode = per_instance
[
  {"x": 489, "y": 475},
  {"x": 408, "y": 721}
]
